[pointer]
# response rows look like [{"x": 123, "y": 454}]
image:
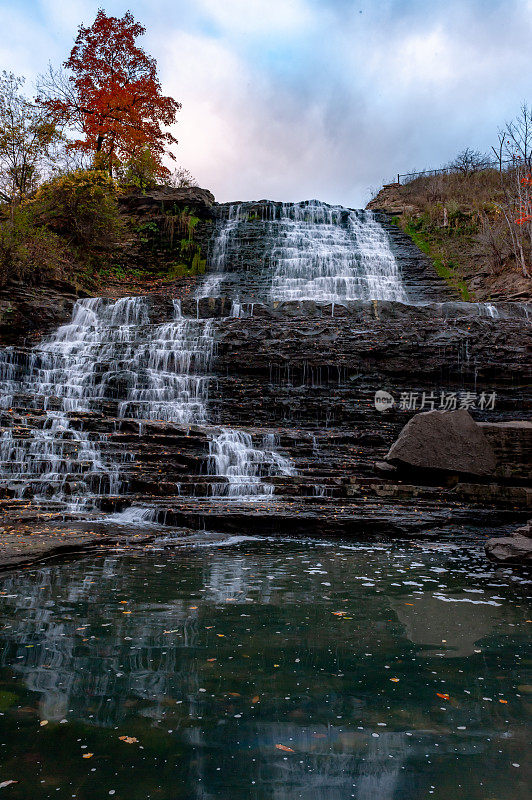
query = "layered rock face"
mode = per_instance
[{"x": 251, "y": 405}]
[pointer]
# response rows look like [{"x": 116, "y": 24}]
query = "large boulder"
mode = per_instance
[
  {"x": 510, "y": 549},
  {"x": 449, "y": 441}
]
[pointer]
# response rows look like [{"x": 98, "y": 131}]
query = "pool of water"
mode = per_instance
[{"x": 259, "y": 669}]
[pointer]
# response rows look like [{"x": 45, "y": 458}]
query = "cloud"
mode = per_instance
[
  {"x": 294, "y": 99},
  {"x": 261, "y": 17}
]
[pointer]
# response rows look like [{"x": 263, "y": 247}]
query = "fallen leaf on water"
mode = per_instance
[
  {"x": 395, "y": 680},
  {"x": 339, "y": 613},
  {"x": 87, "y": 755},
  {"x": 443, "y": 696},
  {"x": 43, "y": 722},
  {"x": 128, "y": 739},
  {"x": 503, "y": 701},
  {"x": 6, "y": 783},
  {"x": 284, "y": 748},
  {"x": 255, "y": 699}
]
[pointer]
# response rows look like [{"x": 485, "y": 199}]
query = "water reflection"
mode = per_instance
[{"x": 381, "y": 672}]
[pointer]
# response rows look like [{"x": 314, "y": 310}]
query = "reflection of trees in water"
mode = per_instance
[
  {"x": 129, "y": 660},
  {"x": 129, "y": 667},
  {"x": 346, "y": 763}
]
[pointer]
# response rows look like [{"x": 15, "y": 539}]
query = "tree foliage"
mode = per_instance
[
  {"x": 27, "y": 138},
  {"x": 111, "y": 95},
  {"x": 81, "y": 207},
  {"x": 31, "y": 252}
]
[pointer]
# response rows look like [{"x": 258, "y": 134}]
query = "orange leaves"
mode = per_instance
[
  {"x": 255, "y": 699},
  {"x": 443, "y": 695},
  {"x": 87, "y": 755},
  {"x": 116, "y": 98},
  {"x": 128, "y": 739},
  {"x": 284, "y": 748}
]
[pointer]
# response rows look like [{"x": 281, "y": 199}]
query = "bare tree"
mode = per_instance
[
  {"x": 514, "y": 157},
  {"x": 469, "y": 161}
]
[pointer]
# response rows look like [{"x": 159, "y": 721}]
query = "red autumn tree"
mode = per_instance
[{"x": 113, "y": 95}]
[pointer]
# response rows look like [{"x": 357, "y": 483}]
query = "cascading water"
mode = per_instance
[
  {"x": 233, "y": 455},
  {"x": 210, "y": 287},
  {"x": 67, "y": 375},
  {"x": 301, "y": 251},
  {"x": 110, "y": 354},
  {"x": 331, "y": 254}
]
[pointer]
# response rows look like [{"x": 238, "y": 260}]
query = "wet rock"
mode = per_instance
[
  {"x": 25, "y": 310},
  {"x": 511, "y": 442},
  {"x": 448, "y": 441},
  {"x": 525, "y": 530},
  {"x": 383, "y": 468},
  {"x": 510, "y": 549}
]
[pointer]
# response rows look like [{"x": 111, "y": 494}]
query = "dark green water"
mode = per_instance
[{"x": 212, "y": 656}]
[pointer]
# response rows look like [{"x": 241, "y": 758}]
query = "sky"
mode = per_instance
[{"x": 298, "y": 99}]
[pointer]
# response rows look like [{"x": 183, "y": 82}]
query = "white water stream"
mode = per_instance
[{"x": 330, "y": 254}]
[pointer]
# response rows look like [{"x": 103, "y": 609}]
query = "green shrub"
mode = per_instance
[
  {"x": 31, "y": 253},
  {"x": 82, "y": 207}
]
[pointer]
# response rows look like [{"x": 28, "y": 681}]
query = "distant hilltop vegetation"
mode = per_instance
[{"x": 473, "y": 222}]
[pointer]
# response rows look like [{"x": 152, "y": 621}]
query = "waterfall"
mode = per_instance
[
  {"x": 488, "y": 310},
  {"x": 111, "y": 361},
  {"x": 331, "y": 254},
  {"x": 210, "y": 286},
  {"x": 110, "y": 355},
  {"x": 233, "y": 455},
  {"x": 301, "y": 251},
  {"x": 69, "y": 374}
]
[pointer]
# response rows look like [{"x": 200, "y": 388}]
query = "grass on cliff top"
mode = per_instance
[
  {"x": 457, "y": 222},
  {"x": 428, "y": 243}
]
